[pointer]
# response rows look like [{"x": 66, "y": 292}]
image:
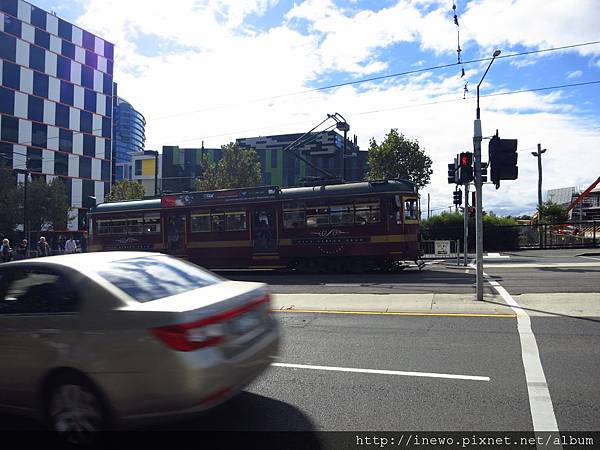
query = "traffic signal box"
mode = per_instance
[
  {"x": 452, "y": 173},
  {"x": 465, "y": 167},
  {"x": 503, "y": 160},
  {"x": 458, "y": 197}
]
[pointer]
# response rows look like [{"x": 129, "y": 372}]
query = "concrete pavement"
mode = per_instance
[{"x": 555, "y": 304}]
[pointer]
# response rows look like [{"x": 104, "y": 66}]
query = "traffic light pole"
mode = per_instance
[
  {"x": 466, "y": 220},
  {"x": 477, "y": 138}
]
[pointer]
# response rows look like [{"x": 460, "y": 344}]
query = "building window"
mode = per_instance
[
  {"x": 8, "y": 47},
  {"x": 10, "y": 129},
  {"x": 35, "y": 108},
  {"x": 12, "y": 26},
  {"x": 89, "y": 145},
  {"x": 7, "y": 101},
  {"x": 106, "y": 127},
  {"x": 11, "y": 75},
  {"x": 67, "y": 93},
  {"x": 65, "y": 140},
  {"x": 9, "y": 6},
  {"x": 61, "y": 164},
  {"x": 34, "y": 159},
  {"x": 62, "y": 116},
  {"x": 37, "y": 58},
  {"x": 42, "y": 39},
  {"x": 39, "y": 135},
  {"x": 87, "y": 77},
  {"x": 68, "y": 49},
  {"x": 138, "y": 167},
  {"x": 65, "y": 30},
  {"x": 40, "y": 84},
  {"x": 105, "y": 170},
  {"x": 63, "y": 68},
  {"x": 89, "y": 42},
  {"x": 38, "y": 17},
  {"x": 85, "y": 121},
  {"x": 89, "y": 101},
  {"x": 91, "y": 59},
  {"x": 85, "y": 167}
]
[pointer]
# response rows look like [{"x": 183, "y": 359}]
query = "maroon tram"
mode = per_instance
[{"x": 348, "y": 227}]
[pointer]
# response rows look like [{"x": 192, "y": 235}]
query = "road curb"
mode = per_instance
[{"x": 589, "y": 254}]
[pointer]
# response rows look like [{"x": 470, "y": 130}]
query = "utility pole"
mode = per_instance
[
  {"x": 428, "y": 206},
  {"x": 538, "y": 154}
]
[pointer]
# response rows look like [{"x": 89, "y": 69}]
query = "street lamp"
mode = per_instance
[
  {"x": 477, "y": 138},
  {"x": 342, "y": 125}
]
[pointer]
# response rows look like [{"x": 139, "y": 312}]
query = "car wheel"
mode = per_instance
[{"x": 75, "y": 410}]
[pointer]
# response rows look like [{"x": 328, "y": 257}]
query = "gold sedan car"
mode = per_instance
[{"x": 103, "y": 340}]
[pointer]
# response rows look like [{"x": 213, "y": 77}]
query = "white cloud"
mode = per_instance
[
  {"x": 574, "y": 74},
  {"x": 208, "y": 88}
]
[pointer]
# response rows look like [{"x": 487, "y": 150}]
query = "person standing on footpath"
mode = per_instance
[
  {"x": 42, "y": 247},
  {"x": 22, "y": 249},
  {"x": 5, "y": 251},
  {"x": 70, "y": 245}
]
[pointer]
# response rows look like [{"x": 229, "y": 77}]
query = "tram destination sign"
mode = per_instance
[{"x": 222, "y": 196}]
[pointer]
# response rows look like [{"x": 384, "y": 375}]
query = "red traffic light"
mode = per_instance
[{"x": 466, "y": 159}]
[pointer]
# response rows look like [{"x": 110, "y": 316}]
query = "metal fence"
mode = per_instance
[
  {"x": 516, "y": 237},
  {"x": 564, "y": 235}
]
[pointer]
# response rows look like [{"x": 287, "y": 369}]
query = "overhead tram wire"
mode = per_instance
[
  {"x": 384, "y": 77},
  {"x": 436, "y": 102}
]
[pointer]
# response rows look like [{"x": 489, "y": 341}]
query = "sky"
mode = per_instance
[{"x": 211, "y": 71}]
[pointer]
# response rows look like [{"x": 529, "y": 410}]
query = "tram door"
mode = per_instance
[
  {"x": 264, "y": 230},
  {"x": 175, "y": 234}
]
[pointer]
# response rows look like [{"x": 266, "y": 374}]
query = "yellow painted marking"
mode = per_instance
[
  {"x": 394, "y": 238},
  {"x": 382, "y": 313},
  {"x": 219, "y": 244}
]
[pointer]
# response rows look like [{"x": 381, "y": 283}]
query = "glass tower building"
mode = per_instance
[
  {"x": 56, "y": 103},
  {"x": 129, "y": 137}
]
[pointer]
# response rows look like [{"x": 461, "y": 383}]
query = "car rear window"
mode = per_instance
[{"x": 153, "y": 277}]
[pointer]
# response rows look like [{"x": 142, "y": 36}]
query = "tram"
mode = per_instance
[{"x": 351, "y": 227}]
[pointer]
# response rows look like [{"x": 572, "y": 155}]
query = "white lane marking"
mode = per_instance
[
  {"x": 383, "y": 372},
  {"x": 590, "y": 257},
  {"x": 540, "y": 403}
]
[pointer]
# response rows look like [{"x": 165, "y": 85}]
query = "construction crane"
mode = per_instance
[{"x": 574, "y": 203}]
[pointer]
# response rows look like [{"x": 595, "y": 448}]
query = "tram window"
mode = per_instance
[
  {"x": 200, "y": 223},
  {"x": 112, "y": 226},
  {"x": 342, "y": 215},
  {"x": 135, "y": 226},
  {"x": 317, "y": 217},
  {"x": 218, "y": 222},
  {"x": 236, "y": 221},
  {"x": 294, "y": 219},
  {"x": 367, "y": 213},
  {"x": 152, "y": 223},
  {"x": 410, "y": 209}
]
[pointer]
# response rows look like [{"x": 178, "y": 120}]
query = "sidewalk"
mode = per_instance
[{"x": 576, "y": 305}]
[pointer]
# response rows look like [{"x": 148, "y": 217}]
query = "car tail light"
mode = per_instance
[{"x": 206, "y": 332}]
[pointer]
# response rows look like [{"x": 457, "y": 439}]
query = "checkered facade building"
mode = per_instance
[{"x": 56, "y": 101}]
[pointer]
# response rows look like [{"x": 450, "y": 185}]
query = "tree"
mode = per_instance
[
  {"x": 58, "y": 204},
  {"x": 11, "y": 213},
  {"x": 550, "y": 212},
  {"x": 399, "y": 157},
  {"x": 47, "y": 204},
  {"x": 237, "y": 168},
  {"x": 126, "y": 190}
]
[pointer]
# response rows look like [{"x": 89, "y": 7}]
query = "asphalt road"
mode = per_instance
[
  {"x": 298, "y": 399},
  {"x": 432, "y": 350},
  {"x": 531, "y": 271}
]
